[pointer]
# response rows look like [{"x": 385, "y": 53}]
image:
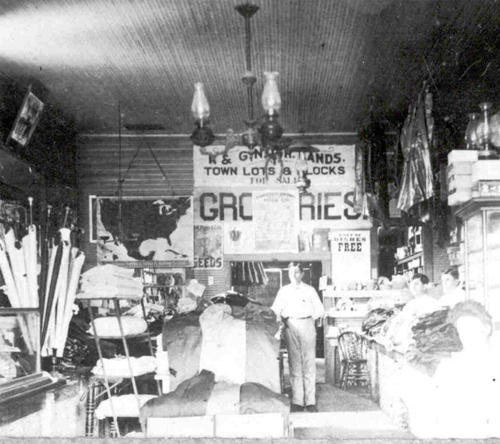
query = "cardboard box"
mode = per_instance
[
  {"x": 459, "y": 181},
  {"x": 486, "y": 170},
  {"x": 460, "y": 168}
]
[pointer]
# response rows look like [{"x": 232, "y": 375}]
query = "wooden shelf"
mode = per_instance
[{"x": 410, "y": 258}]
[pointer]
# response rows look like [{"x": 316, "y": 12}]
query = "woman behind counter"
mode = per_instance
[{"x": 452, "y": 289}]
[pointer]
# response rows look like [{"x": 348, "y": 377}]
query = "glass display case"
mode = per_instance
[
  {"x": 19, "y": 343},
  {"x": 20, "y": 363},
  {"x": 481, "y": 219}
]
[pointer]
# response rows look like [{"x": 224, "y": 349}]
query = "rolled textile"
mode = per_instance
[
  {"x": 8, "y": 277},
  {"x": 61, "y": 301},
  {"x": 30, "y": 262},
  {"x": 16, "y": 257},
  {"x": 76, "y": 264}
]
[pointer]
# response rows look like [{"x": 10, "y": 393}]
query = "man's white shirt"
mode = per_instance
[{"x": 297, "y": 301}]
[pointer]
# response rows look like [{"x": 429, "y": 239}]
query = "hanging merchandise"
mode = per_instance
[
  {"x": 248, "y": 273},
  {"x": 417, "y": 183},
  {"x": 58, "y": 293},
  {"x": 359, "y": 199}
]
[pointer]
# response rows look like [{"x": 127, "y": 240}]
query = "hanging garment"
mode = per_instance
[
  {"x": 248, "y": 274},
  {"x": 417, "y": 184}
]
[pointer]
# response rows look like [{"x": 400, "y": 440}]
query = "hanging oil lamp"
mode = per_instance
[
  {"x": 202, "y": 135},
  {"x": 271, "y": 130}
]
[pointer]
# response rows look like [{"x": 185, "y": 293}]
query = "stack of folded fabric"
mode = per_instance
[
  {"x": 108, "y": 281},
  {"x": 375, "y": 320},
  {"x": 434, "y": 339}
]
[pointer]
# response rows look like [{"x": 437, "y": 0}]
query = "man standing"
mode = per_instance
[{"x": 298, "y": 305}]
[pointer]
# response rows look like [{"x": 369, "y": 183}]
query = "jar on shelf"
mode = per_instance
[{"x": 484, "y": 133}]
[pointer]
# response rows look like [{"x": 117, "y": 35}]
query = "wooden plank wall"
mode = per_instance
[{"x": 98, "y": 167}]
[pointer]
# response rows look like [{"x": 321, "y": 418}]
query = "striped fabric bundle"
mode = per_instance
[{"x": 209, "y": 342}]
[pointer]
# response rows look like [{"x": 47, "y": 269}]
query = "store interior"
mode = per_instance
[{"x": 263, "y": 220}]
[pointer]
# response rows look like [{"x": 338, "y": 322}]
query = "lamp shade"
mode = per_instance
[
  {"x": 200, "y": 107},
  {"x": 271, "y": 99}
]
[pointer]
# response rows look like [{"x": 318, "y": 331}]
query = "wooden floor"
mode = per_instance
[{"x": 343, "y": 415}]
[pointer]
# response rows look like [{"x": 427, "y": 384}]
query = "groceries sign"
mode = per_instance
[{"x": 225, "y": 186}]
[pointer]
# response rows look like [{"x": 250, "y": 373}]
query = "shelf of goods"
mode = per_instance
[
  {"x": 345, "y": 311},
  {"x": 411, "y": 263},
  {"x": 111, "y": 373},
  {"x": 482, "y": 252},
  {"x": 20, "y": 372}
]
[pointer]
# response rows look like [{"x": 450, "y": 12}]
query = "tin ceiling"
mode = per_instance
[{"x": 333, "y": 56}]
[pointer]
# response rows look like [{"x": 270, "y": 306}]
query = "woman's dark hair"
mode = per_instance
[
  {"x": 453, "y": 272},
  {"x": 470, "y": 308},
  {"x": 422, "y": 277},
  {"x": 296, "y": 265}
]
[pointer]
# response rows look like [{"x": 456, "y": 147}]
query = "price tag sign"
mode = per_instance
[{"x": 350, "y": 256}]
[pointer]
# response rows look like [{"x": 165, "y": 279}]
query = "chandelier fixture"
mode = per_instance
[{"x": 266, "y": 132}]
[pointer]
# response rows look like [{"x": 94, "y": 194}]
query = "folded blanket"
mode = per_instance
[
  {"x": 223, "y": 347},
  {"x": 201, "y": 395}
]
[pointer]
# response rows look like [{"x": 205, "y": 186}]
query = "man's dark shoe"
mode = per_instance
[
  {"x": 296, "y": 408},
  {"x": 311, "y": 408}
]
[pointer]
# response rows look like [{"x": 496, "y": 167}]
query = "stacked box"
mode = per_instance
[{"x": 485, "y": 170}]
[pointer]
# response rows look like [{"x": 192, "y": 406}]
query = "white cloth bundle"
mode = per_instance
[
  {"x": 108, "y": 281},
  {"x": 118, "y": 367},
  {"x": 125, "y": 285},
  {"x": 108, "y": 270},
  {"x": 125, "y": 406},
  {"x": 108, "y": 326}
]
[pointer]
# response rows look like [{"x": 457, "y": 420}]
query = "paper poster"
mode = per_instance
[
  {"x": 331, "y": 167},
  {"x": 27, "y": 119},
  {"x": 208, "y": 246},
  {"x": 143, "y": 232},
  {"x": 350, "y": 256},
  {"x": 275, "y": 221},
  {"x": 239, "y": 238}
]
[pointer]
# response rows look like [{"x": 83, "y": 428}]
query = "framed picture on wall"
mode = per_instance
[
  {"x": 142, "y": 231},
  {"x": 27, "y": 119}
]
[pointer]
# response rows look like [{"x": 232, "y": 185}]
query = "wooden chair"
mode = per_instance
[{"x": 354, "y": 367}]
